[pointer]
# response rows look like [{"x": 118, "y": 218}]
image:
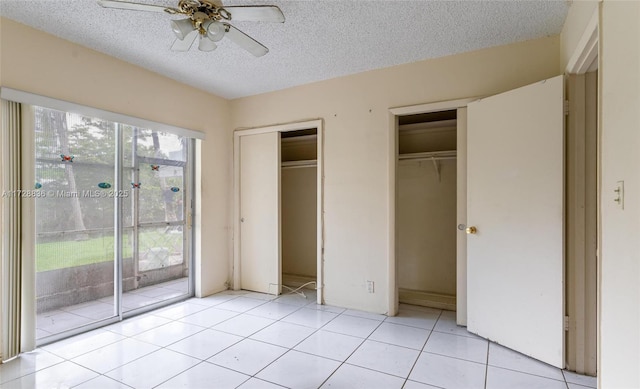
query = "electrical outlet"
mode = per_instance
[
  {"x": 370, "y": 286},
  {"x": 619, "y": 194}
]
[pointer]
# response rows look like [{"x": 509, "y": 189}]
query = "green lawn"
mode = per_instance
[{"x": 70, "y": 253}]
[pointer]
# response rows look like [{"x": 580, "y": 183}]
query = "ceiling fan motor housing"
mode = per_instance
[{"x": 203, "y": 10}]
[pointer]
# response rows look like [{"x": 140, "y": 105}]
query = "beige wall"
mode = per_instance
[
  {"x": 620, "y": 160},
  {"x": 298, "y": 208},
  {"x": 39, "y": 63},
  {"x": 357, "y": 146}
]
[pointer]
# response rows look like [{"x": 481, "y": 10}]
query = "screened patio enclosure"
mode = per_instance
[{"x": 112, "y": 235}]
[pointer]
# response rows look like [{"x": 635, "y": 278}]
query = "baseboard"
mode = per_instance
[{"x": 427, "y": 299}]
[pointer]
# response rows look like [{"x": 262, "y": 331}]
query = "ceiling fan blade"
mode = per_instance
[
  {"x": 256, "y": 13},
  {"x": 245, "y": 41},
  {"x": 136, "y": 6},
  {"x": 185, "y": 44}
]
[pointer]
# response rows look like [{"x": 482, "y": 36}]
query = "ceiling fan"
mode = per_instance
[{"x": 209, "y": 22}]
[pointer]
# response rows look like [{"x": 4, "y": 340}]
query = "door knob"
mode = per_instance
[
  {"x": 241, "y": 220},
  {"x": 471, "y": 230}
]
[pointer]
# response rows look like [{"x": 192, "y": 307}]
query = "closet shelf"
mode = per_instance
[
  {"x": 428, "y": 156},
  {"x": 301, "y": 139},
  {"x": 299, "y": 164}
]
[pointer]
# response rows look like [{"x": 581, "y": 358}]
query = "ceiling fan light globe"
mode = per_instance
[
  {"x": 182, "y": 27},
  {"x": 206, "y": 44},
  {"x": 215, "y": 31}
]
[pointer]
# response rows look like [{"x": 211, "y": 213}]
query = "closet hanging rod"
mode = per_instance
[{"x": 299, "y": 164}]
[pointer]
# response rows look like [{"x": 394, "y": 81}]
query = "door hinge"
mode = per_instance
[
  {"x": 566, "y": 323},
  {"x": 566, "y": 107}
]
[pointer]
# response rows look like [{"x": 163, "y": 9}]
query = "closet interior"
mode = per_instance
[
  {"x": 426, "y": 209},
  {"x": 298, "y": 179}
]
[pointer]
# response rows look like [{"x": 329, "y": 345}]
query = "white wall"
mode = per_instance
[
  {"x": 357, "y": 146},
  {"x": 39, "y": 63},
  {"x": 620, "y": 160}
]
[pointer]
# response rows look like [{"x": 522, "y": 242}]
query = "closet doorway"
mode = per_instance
[
  {"x": 298, "y": 214},
  {"x": 278, "y": 208},
  {"x": 426, "y": 191},
  {"x": 512, "y": 251}
]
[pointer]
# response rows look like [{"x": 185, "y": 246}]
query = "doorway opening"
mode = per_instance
[
  {"x": 581, "y": 275},
  {"x": 278, "y": 209},
  {"x": 426, "y": 190},
  {"x": 298, "y": 190}
]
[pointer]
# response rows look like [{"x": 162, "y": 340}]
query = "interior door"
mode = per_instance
[
  {"x": 260, "y": 258},
  {"x": 515, "y": 279}
]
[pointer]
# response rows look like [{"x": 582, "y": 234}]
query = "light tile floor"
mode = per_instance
[
  {"x": 74, "y": 316},
  {"x": 248, "y": 340}
]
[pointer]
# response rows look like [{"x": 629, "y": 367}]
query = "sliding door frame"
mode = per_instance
[{"x": 28, "y": 305}]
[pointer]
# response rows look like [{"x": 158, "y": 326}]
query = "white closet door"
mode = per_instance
[
  {"x": 515, "y": 279},
  {"x": 260, "y": 258}
]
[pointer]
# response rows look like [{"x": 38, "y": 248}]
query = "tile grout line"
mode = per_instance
[
  {"x": 289, "y": 348},
  {"x": 527, "y": 373},
  {"x": 486, "y": 365},
  {"x": 34, "y": 372},
  {"x": 70, "y": 360},
  {"x": 353, "y": 352},
  {"x": 271, "y": 344},
  {"x": 422, "y": 349},
  {"x": 79, "y": 355},
  {"x": 174, "y": 376},
  {"x": 256, "y": 340},
  {"x": 145, "y": 355},
  {"x": 165, "y": 347}
]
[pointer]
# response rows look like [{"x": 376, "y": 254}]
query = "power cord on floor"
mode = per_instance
[{"x": 295, "y": 290}]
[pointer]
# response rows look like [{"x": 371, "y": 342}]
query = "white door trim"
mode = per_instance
[
  {"x": 394, "y": 113},
  {"x": 587, "y": 50},
  {"x": 303, "y": 125},
  {"x": 586, "y": 58}
]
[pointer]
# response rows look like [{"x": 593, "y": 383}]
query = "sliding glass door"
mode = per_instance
[
  {"x": 83, "y": 279},
  {"x": 156, "y": 224},
  {"x": 74, "y": 221}
]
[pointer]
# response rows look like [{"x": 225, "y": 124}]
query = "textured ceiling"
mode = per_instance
[{"x": 320, "y": 39}]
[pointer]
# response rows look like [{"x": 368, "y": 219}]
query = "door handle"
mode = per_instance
[
  {"x": 471, "y": 230},
  {"x": 241, "y": 220}
]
